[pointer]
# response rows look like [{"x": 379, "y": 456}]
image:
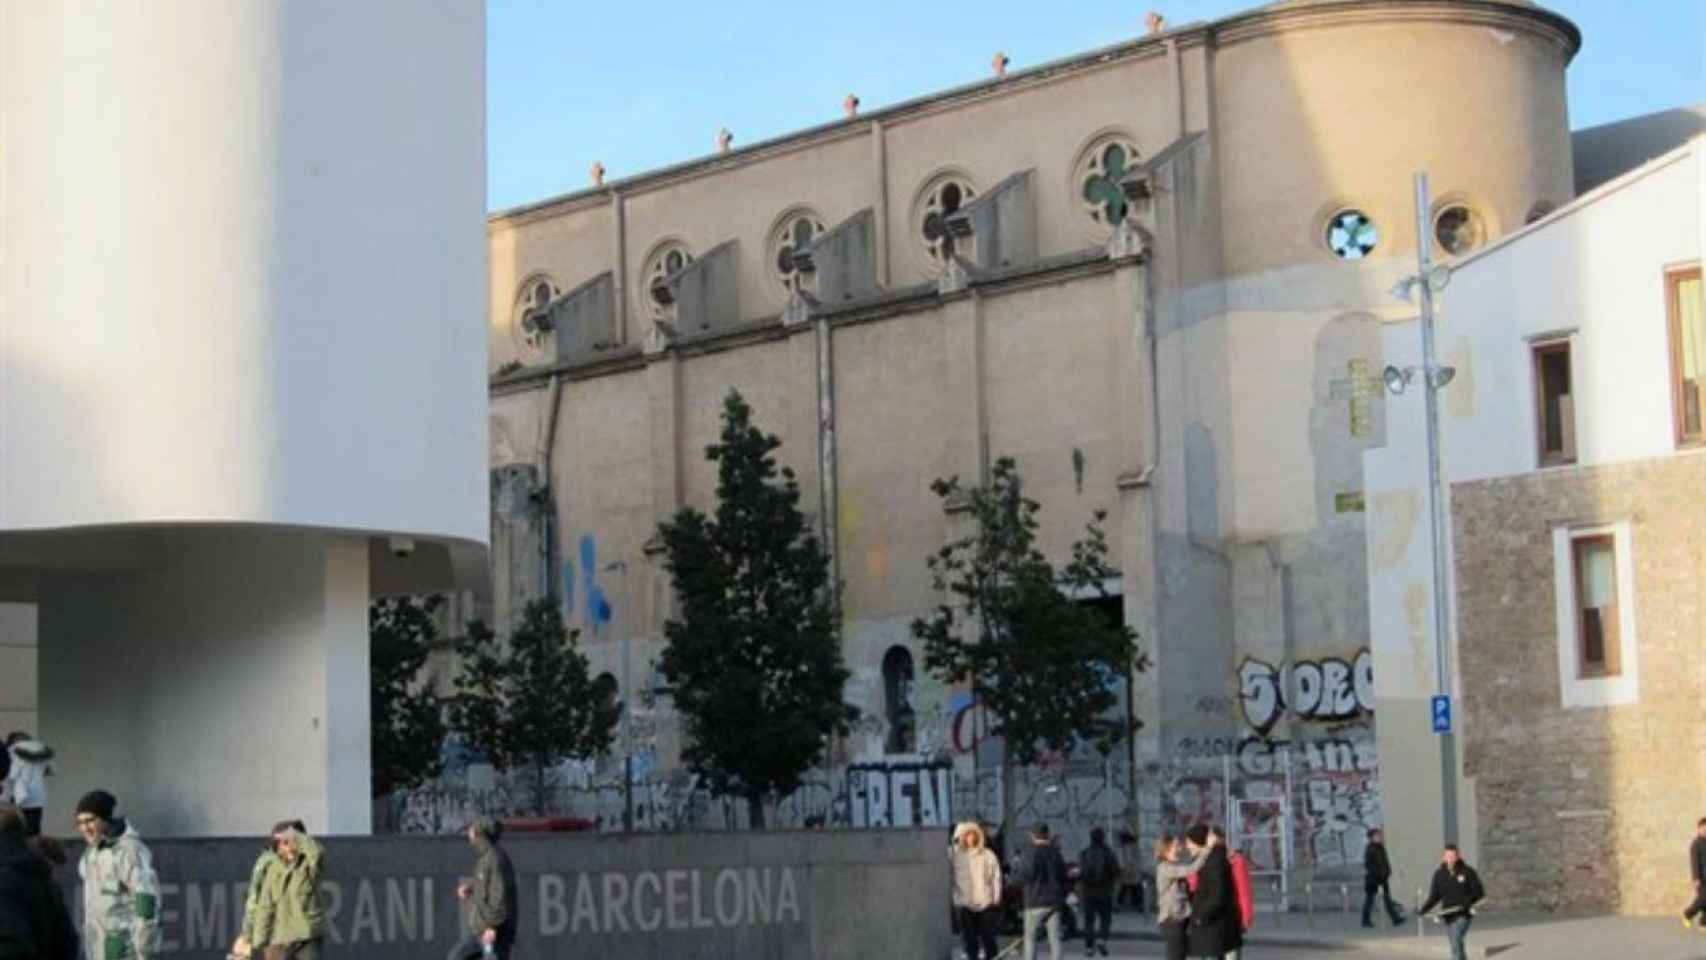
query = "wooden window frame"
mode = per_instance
[
  {"x": 1673, "y": 315},
  {"x": 1538, "y": 351},
  {"x": 1611, "y": 664}
]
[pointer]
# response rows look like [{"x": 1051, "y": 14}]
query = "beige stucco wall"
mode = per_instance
[
  {"x": 1232, "y": 547},
  {"x": 1344, "y": 113}
]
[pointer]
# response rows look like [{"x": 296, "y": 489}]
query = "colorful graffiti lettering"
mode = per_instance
[{"x": 1329, "y": 689}]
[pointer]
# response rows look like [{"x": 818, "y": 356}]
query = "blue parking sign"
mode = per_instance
[{"x": 1442, "y": 714}]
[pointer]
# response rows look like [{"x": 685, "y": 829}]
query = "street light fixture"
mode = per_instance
[{"x": 1428, "y": 280}]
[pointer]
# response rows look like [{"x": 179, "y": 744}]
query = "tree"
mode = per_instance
[
  {"x": 530, "y": 703},
  {"x": 406, "y": 715},
  {"x": 754, "y": 662},
  {"x": 1042, "y": 664}
]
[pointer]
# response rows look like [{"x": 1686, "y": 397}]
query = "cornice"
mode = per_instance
[
  {"x": 1285, "y": 18},
  {"x": 1016, "y": 82}
]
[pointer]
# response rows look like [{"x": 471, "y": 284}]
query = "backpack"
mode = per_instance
[{"x": 1098, "y": 867}]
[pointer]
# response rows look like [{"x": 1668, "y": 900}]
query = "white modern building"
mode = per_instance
[
  {"x": 240, "y": 246},
  {"x": 1575, "y": 463}
]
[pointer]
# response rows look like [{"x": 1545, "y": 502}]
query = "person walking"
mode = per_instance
[
  {"x": 1098, "y": 875},
  {"x": 1697, "y": 869},
  {"x": 289, "y": 921},
  {"x": 1243, "y": 893},
  {"x": 253, "y": 902},
  {"x": 28, "y": 780},
  {"x": 1456, "y": 888},
  {"x": 977, "y": 891},
  {"x": 491, "y": 898},
  {"x": 1131, "y": 873},
  {"x": 1042, "y": 873},
  {"x": 1172, "y": 895},
  {"x": 1377, "y": 880},
  {"x": 121, "y": 893},
  {"x": 1213, "y": 927},
  {"x": 34, "y": 924}
]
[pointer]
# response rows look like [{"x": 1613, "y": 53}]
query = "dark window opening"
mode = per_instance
[
  {"x": 1686, "y": 303},
  {"x": 1598, "y": 639},
  {"x": 1555, "y": 403},
  {"x": 899, "y": 675}
]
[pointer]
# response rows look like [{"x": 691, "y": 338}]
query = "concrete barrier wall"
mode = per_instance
[{"x": 752, "y": 896}]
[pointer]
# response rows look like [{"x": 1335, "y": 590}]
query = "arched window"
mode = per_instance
[
  {"x": 606, "y": 687},
  {"x": 898, "y": 675}
]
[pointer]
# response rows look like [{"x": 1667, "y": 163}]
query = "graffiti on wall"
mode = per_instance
[
  {"x": 1327, "y": 689},
  {"x": 904, "y": 794}
]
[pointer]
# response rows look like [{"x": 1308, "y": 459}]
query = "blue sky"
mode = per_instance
[{"x": 639, "y": 87}]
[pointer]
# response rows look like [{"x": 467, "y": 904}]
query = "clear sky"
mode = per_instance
[{"x": 640, "y": 87}]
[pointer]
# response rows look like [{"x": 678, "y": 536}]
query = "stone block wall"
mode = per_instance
[{"x": 1586, "y": 808}]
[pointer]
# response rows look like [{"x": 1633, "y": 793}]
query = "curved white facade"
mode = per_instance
[
  {"x": 242, "y": 265},
  {"x": 242, "y": 271}
]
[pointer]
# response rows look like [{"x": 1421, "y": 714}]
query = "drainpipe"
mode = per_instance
[
  {"x": 830, "y": 507},
  {"x": 544, "y": 497}
]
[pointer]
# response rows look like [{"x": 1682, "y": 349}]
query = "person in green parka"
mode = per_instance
[
  {"x": 287, "y": 920},
  {"x": 268, "y": 860}
]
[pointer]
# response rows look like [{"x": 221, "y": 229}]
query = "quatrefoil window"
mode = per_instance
[
  {"x": 793, "y": 231},
  {"x": 942, "y": 197},
  {"x": 530, "y": 337},
  {"x": 1099, "y": 181},
  {"x": 666, "y": 260}
]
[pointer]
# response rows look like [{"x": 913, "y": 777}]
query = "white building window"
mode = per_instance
[{"x": 1594, "y": 578}]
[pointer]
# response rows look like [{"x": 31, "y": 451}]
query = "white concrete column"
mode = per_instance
[
  {"x": 223, "y": 690},
  {"x": 17, "y": 667}
]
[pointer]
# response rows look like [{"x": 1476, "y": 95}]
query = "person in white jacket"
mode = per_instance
[
  {"x": 977, "y": 890},
  {"x": 27, "y": 783}
]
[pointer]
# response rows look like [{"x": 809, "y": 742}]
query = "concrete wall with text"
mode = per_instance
[{"x": 761, "y": 896}]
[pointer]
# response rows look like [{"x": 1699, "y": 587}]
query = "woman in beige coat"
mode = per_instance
[{"x": 977, "y": 890}]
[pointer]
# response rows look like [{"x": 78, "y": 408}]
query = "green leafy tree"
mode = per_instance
[
  {"x": 406, "y": 715},
  {"x": 530, "y": 703},
  {"x": 754, "y": 662},
  {"x": 1042, "y": 664}
]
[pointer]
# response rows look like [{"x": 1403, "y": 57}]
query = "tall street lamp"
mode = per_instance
[{"x": 1428, "y": 280}]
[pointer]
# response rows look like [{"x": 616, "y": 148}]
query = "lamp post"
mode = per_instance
[{"x": 1428, "y": 280}]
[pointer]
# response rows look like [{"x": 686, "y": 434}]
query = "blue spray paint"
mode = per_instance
[{"x": 598, "y": 610}]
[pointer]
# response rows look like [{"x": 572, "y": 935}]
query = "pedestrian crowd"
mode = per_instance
[
  {"x": 1204, "y": 902},
  {"x": 284, "y": 917}
]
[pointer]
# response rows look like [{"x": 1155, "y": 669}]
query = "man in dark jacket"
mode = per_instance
[
  {"x": 1214, "y": 927},
  {"x": 1098, "y": 876},
  {"x": 1377, "y": 879},
  {"x": 491, "y": 897},
  {"x": 1042, "y": 872},
  {"x": 1456, "y": 889},
  {"x": 34, "y": 924},
  {"x": 1697, "y": 869}
]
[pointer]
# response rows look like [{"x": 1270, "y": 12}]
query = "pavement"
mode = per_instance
[{"x": 1494, "y": 935}]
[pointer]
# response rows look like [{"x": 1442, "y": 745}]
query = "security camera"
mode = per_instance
[{"x": 402, "y": 547}]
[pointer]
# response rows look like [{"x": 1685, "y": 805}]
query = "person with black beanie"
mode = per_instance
[{"x": 121, "y": 892}]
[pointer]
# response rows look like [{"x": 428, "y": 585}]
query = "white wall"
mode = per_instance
[
  {"x": 220, "y": 693},
  {"x": 1597, "y": 267},
  {"x": 243, "y": 267}
]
